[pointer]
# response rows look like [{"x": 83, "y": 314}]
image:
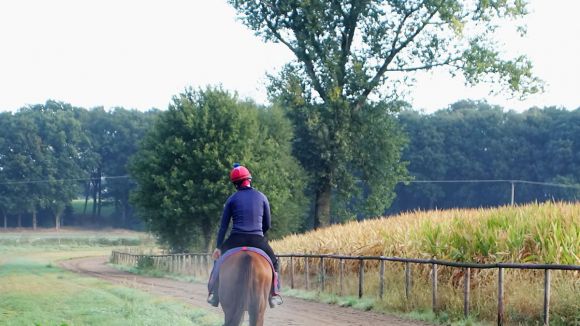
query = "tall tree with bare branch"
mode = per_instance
[{"x": 352, "y": 55}]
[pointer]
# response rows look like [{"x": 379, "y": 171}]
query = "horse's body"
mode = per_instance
[{"x": 245, "y": 280}]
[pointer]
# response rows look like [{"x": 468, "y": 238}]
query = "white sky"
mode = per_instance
[{"x": 140, "y": 53}]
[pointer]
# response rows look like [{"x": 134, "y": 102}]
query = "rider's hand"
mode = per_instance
[{"x": 216, "y": 254}]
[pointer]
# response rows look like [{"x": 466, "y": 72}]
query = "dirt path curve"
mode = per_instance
[{"x": 292, "y": 312}]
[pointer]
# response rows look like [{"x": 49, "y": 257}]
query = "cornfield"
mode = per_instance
[{"x": 533, "y": 233}]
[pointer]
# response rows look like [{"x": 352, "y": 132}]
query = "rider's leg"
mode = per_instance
[
  {"x": 275, "y": 298},
  {"x": 213, "y": 285}
]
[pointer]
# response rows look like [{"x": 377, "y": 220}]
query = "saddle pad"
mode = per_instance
[{"x": 215, "y": 271}]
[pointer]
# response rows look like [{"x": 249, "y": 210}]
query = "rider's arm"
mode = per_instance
[
  {"x": 225, "y": 221},
  {"x": 266, "y": 220}
]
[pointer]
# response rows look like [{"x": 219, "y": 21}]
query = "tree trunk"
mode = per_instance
[
  {"x": 34, "y": 220},
  {"x": 5, "y": 221},
  {"x": 57, "y": 221},
  {"x": 123, "y": 215},
  {"x": 322, "y": 208},
  {"x": 99, "y": 195},
  {"x": 96, "y": 191},
  {"x": 100, "y": 200},
  {"x": 94, "y": 195},
  {"x": 87, "y": 193},
  {"x": 19, "y": 220}
]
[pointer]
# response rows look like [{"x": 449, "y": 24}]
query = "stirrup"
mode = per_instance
[
  {"x": 275, "y": 300},
  {"x": 213, "y": 299}
]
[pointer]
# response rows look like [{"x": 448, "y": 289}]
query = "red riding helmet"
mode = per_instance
[{"x": 239, "y": 173}]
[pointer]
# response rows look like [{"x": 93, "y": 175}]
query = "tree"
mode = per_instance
[
  {"x": 129, "y": 127},
  {"x": 277, "y": 173},
  {"x": 21, "y": 161},
  {"x": 57, "y": 158},
  {"x": 114, "y": 137},
  {"x": 7, "y": 194},
  {"x": 182, "y": 166},
  {"x": 351, "y": 53}
]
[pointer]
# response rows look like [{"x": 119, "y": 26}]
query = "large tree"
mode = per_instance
[
  {"x": 21, "y": 160},
  {"x": 183, "y": 164},
  {"x": 353, "y": 54},
  {"x": 7, "y": 193},
  {"x": 57, "y": 156}
]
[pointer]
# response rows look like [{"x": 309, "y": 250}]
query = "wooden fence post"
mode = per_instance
[
  {"x": 466, "y": 291},
  {"x": 434, "y": 287},
  {"x": 198, "y": 267},
  {"x": 546, "y": 297},
  {"x": 209, "y": 265},
  {"x": 291, "y": 272},
  {"x": 341, "y": 277},
  {"x": 381, "y": 278},
  {"x": 306, "y": 272},
  {"x": 321, "y": 273},
  {"x": 361, "y": 276},
  {"x": 500, "y": 296},
  {"x": 407, "y": 280}
]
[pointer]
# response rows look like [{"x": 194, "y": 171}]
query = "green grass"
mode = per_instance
[
  {"x": 70, "y": 238},
  {"x": 367, "y": 304},
  {"x": 34, "y": 291},
  {"x": 78, "y": 205}
]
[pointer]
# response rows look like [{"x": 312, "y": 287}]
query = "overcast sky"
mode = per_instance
[{"x": 139, "y": 53}]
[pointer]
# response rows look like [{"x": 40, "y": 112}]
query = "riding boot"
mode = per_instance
[
  {"x": 213, "y": 299},
  {"x": 275, "y": 298}
]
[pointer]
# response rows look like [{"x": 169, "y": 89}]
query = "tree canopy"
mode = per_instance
[
  {"x": 354, "y": 54},
  {"x": 183, "y": 165},
  {"x": 477, "y": 141}
]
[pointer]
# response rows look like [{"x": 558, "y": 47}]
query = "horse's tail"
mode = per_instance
[
  {"x": 246, "y": 279},
  {"x": 242, "y": 289}
]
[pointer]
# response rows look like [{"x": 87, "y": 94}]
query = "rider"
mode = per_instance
[{"x": 249, "y": 210}]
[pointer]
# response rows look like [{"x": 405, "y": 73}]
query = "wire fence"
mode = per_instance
[{"x": 317, "y": 269}]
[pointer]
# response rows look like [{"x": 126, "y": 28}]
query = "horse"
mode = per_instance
[{"x": 245, "y": 283}]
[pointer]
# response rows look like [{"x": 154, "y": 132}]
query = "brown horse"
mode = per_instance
[{"x": 245, "y": 281}]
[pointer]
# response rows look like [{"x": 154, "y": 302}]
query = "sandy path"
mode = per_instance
[{"x": 292, "y": 312}]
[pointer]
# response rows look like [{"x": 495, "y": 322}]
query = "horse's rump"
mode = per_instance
[
  {"x": 245, "y": 279},
  {"x": 218, "y": 263}
]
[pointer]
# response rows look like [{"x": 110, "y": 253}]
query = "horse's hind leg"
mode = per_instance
[
  {"x": 259, "y": 302},
  {"x": 256, "y": 312},
  {"x": 233, "y": 317}
]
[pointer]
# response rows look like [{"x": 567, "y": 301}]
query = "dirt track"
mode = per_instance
[{"x": 292, "y": 312}]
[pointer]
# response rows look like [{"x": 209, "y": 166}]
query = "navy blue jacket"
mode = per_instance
[{"x": 250, "y": 211}]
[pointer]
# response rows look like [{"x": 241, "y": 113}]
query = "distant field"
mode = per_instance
[
  {"x": 73, "y": 238},
  {"x": 78, "y": 206},
  {"x": 34, "y": 291}
]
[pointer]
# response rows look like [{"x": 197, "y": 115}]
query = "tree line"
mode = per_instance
[
  {"x": 169, "y": 169},
  {"x": 477, "y": 141},
  {"x": 53, "y": 153}
]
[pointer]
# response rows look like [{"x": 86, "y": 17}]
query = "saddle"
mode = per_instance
[{"x": 213, "y": 278}]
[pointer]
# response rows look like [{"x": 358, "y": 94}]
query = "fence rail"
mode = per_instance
[
  {"x": 194, "y": 264},
  {"x": 199, "y": 264}
]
